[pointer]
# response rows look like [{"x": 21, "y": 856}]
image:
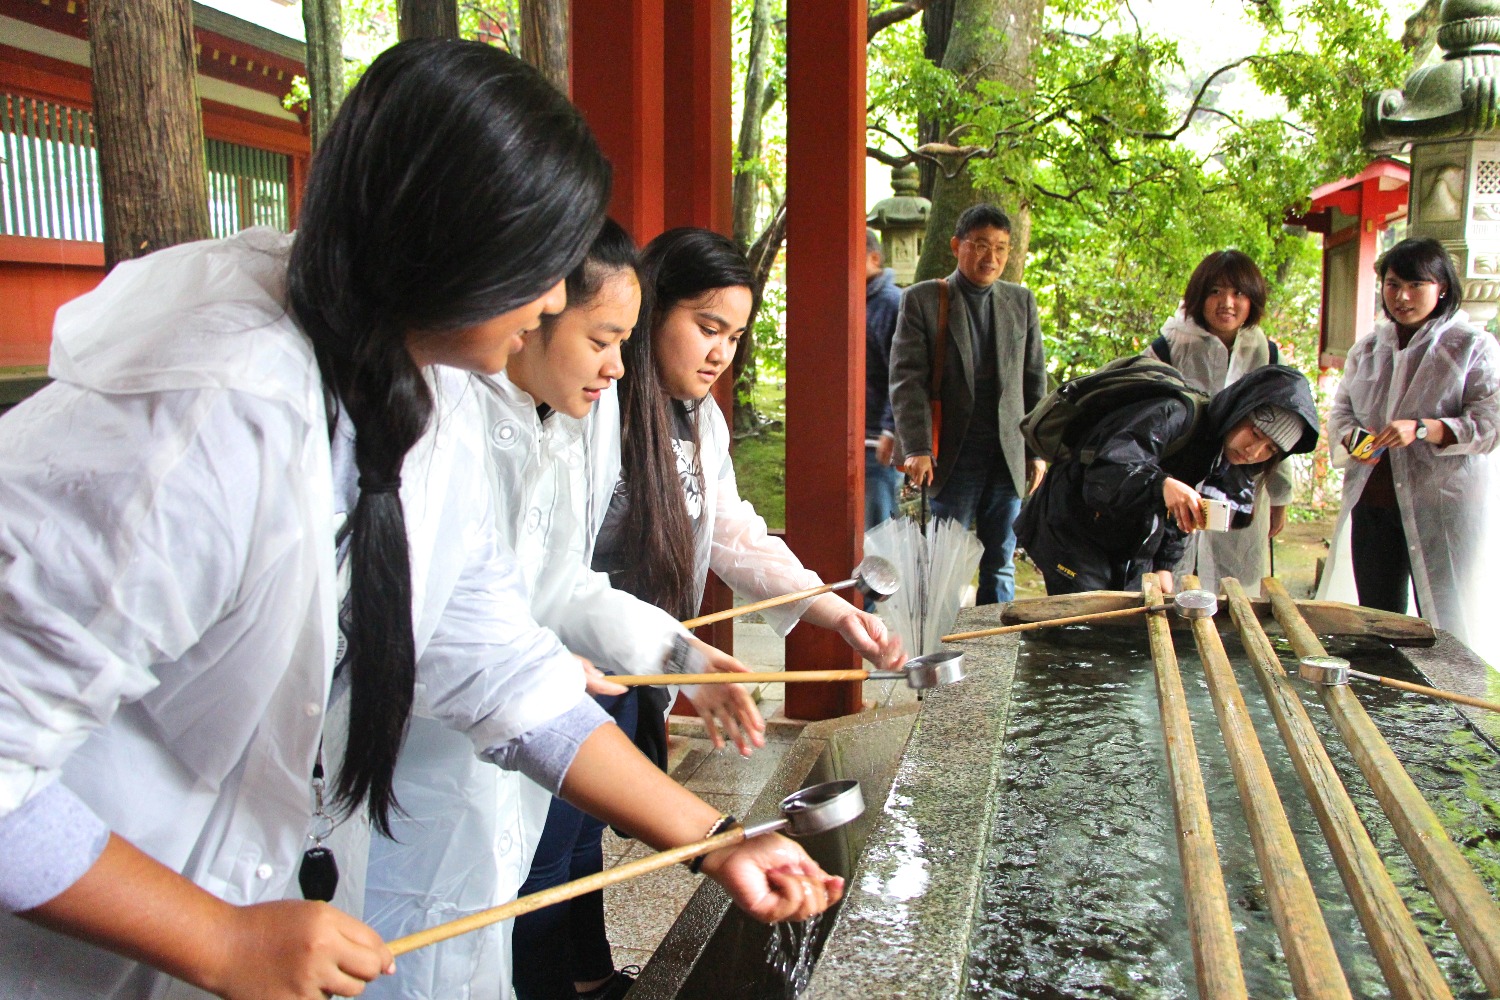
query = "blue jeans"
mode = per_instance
[
  {"x": 881, "y": 485},
  {"x": 980, "y": 495},
  {"x": 567, "y": 942}
]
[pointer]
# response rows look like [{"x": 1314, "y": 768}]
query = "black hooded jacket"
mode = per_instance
[{"x": 1101, "y": 526}]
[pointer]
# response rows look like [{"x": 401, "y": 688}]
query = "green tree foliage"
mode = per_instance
[{"x": 1132, "y": 180}]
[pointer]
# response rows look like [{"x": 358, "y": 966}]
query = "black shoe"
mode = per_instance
[{"x": 616, "y": 986}]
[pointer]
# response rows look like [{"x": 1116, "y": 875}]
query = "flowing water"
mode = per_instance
[{"x": 1083, "y": 894}]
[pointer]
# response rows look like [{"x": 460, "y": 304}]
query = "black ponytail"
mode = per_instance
[{"x": 455, "y": 185}]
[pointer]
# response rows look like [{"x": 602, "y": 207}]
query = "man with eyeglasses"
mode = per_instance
[{"x": 971, "y": 344}]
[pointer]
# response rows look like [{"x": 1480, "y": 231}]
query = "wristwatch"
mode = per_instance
[{"x": 1421, "y": 430}]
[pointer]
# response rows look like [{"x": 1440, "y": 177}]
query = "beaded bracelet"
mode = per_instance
[{"x": 721, "y": 824}]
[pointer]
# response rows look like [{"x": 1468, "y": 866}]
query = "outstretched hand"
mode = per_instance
[
  {"x": 726, "y": 709},
  {"x": 1184, "y": 505},
  {"x": 772, "y": 879}
]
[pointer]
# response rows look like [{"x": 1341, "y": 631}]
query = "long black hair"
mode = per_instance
[
  {"x": 454, "y": 185},
  {"x": 658, "y": 554},
  {"x": 1423, "y": 259}
]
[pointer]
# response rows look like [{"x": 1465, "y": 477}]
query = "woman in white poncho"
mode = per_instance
[
  {"x": 171, "y": 631},
  {"x": 1214, "y": 339},
  {"x": 1419, "y": 514}
]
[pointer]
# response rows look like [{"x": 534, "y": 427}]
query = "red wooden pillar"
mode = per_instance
[
  {"x": 616, "y": 50},
  {"x": 825, "y": 324},
  {"x": 698, "y": 174}
]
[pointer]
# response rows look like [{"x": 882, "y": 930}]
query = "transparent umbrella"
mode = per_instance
[{"x": 935, "y": 562}]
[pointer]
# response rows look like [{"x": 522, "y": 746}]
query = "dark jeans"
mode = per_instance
[
  {"x": 567, "y": 942},
  {"x": 881, "y": 485},
  {"x": 980, "y": 495},
  {"x": 1382, "y": 566}
]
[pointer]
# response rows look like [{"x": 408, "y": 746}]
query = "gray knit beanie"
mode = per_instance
[{"x": 1282, "y": 426}]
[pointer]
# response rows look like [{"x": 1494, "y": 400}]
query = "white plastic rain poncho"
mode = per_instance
[
  {"x": 168, "y": 589},
  {"x": 1449, "y": 371},
  {"x": 732, "y": 539},
  {"x": 552, "y": 482},
  {"x": 1206, "y": 364}
]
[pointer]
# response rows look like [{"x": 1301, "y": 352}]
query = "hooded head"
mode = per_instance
[{"x": 1274, "y": 400}]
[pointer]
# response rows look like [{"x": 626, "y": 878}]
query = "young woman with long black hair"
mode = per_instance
[
  {"x": 236, "y": 427},
  {"x": 554, "y": 460}
]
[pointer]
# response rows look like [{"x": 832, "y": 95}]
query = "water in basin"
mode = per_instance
[{"x": 1083, "y": 894}]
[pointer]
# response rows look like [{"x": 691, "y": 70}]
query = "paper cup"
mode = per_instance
[{"x": 1215, "y": 514}]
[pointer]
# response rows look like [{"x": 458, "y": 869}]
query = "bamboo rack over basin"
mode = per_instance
[{"x": 1323, "y": 617}]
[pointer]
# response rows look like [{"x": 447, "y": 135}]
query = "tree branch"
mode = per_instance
[{"x": 893, "y": 14}]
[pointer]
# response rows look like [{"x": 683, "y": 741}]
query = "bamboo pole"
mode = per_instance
[
  {"x": 1048, "y": 623},
  {"x": 1430, "y": 692},
  {"x": 1216, "y": 957},
  {"x": 770, "y": 602},
  {"x": 784, "y": 677},
  {"x": 566, "y": 891},
  {"x": 1460, "y": 895},
  {"x": 1310, "y": 958},
  {"x": 1408, "y": 966}
]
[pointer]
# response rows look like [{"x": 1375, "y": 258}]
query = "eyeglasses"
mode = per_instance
[{"x": 986, "y": 249}]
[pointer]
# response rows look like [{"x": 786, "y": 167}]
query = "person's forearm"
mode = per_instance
[
  {"x": 612, "y": 780},
  {"x": 828, "y": 611},
  {"x": 133, "y": 905}
]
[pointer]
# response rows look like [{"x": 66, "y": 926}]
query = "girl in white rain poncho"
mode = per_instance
[
  {"x": 677, "y": 512},
  {"x": 1214, "y": 340},
  {"x": 169, "y": 591},
  {"x": 1420, "y": 513},
  {"x": 553, "y": 462}
]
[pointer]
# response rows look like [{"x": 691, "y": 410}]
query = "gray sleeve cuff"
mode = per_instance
[
  {"x": 46, "y": 846},
  {"x": 545, "y": 753}
]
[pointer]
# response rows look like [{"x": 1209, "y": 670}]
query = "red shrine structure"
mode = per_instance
[{"x": 1351, "y": 214}]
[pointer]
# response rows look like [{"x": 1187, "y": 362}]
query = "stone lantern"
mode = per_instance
[
  {"x": 1449, "y": 113},
  {"x": 901, "y": 221}
]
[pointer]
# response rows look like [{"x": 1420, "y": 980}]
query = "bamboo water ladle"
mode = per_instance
[
  {"x": 920, "y": 672},
  {"x": 874, "y": 576},
  {"x": 816, "y": 809},
  {"x": 1187, "y": 604},
  {"x": 1335, "y": 670}
]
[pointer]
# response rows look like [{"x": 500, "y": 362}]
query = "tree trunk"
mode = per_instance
[
  {"x": 426, "y": 19},
  {"x": 323, "y": 22},
  {"x": 937, "y": 25},
  {"x": 544, "y": 38},
  {"x": 746, "y": 194},
  {"x": 152, "y": 177},
  {"x": 991, "y": 40},
  {"x": 762, "y": 256}
]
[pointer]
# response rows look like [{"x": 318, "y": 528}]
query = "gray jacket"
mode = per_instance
[{"x": 1020, "y": 363}]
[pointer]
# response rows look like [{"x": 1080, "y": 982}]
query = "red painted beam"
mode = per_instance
[
  {"x": 617, "y": 56},
  {"x": 699, "y": 173},
  {"x": 825, "y": 324}
]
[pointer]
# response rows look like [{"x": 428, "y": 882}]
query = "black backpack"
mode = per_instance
[{"x": 1065, "y": 416}]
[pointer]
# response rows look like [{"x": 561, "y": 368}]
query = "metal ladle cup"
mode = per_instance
[
  {"x": 1196, "y": 604},
  {"x": 815, "y": 809},
  {"x": 946, "y": 666},
  {"x": 1332, "y": 670},
  {"x": 874, "y": 577}
]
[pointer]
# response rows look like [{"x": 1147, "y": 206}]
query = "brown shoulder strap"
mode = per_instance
[{"x": 940, "y": 344}]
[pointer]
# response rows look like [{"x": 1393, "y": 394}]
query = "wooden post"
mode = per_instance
[
  {"x": 1310, "y": 957},
  {"x": 1460, "y": 895},
  {"x": 1216, "y": 957},
  {"x": 825, "y": 392},
  {"x": 617, "y": 52},
  {"x": 1409, "y": 969}
]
